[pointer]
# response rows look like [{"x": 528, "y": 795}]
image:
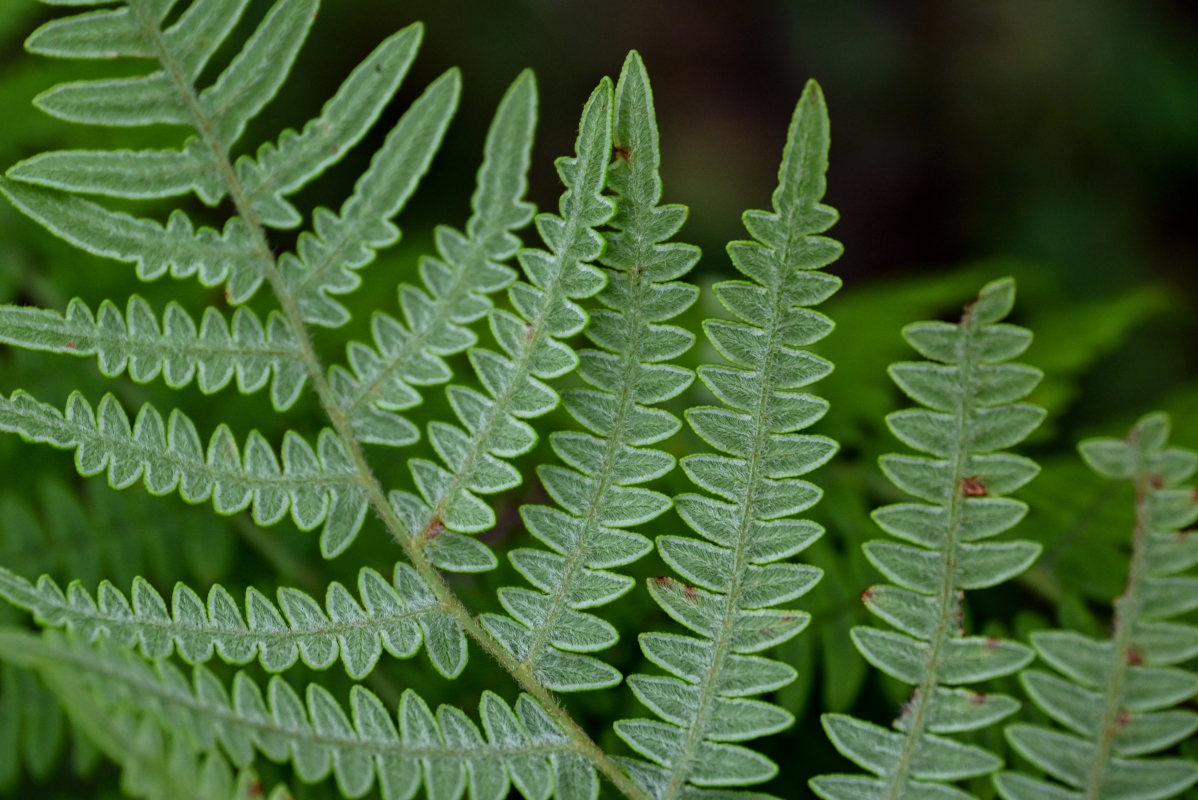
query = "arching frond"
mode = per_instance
[
  {"x": 1117, "y": 698},
  {"x": 445, "y": 752},
  {"x": 736, "y": 578},
  {"x": 396, "y": 616},
  {"x": 316, "y": 485},
  {"x": 970, "y": 415}
]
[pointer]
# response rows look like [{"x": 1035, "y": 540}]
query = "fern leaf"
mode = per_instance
[
  {"x": 239, "y": 93},
  {"x": 971, "y": 411},
  {"x": 155, "y": 765},
  {"x": 456, "y": 285},
  {"x": 494, "y": 430},
  {"x": 178, "y": 248},
  {"x": 327, "y": 260},
  {"x": 445, "y": 751},
  {"x": 547, "y": 630},
  {"x": 177, "y": 349},
  {"x": 393, "y": 616},
  {"x": 735, "y": 579},
  {"x": 141, "y": 100},
  {"x": 1115, "y": 697},
  {"x": 281, "y": 169},
  {"x": 314, "y": 485}
]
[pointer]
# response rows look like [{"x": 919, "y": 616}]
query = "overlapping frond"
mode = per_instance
[
  {"x": 456, "y": 286},
  {"x": 971, "y": 414},
  {"x": 1117, "y": 698},
  {"x": 491, "y": 424},
  {"x": 315, "y": 485},
  {"x": 396, "y": 616},
  {"x": 211, "y": 353},
  {"x": 342, "y": 243},
  {"x": 735, "y": 576},
  {"x": 445, "y": 752},
  {"x": 547, "y": 630}
]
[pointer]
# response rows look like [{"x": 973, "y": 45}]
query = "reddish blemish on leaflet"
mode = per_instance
[
  {"x": 529, "y": 332},
  {"x": 977, "y": 698},
  {"x": 661, "y": 582},
  {"x": 254, "y": 789},
  {"x": 1156, "y": 481},
  {"x": 992, "y": 642},
  {"x": 1134, "y": 657},
  {"x": 71, "y": 345},
  {"x": 1122, "y": 718},
  {"x": 621, "y": 152},
  {"x": 867, "y": 595},
  {"x": 973, "y": 486},
  {"x": 691, "y": 595},
  {"x": 434, "y": 529}
]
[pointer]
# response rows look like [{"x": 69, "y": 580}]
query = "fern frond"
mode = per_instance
[
  {"x": 1116, "y": 697},
  {"x": 154, "y": 764},
  {"x": 971, "y": 412},
  {"x": 327, "y": 259},
  {"x": 215, "y": 258},
  {"x": 314, "y": 485},
  {"x": 492, "y": 424},
  {"x": 547, "y": 630},
  {"x": 749, "y": 525},
  {"x": 396, "y": 616},
  {"x": 211, "y": 353},
  {"x": 445, "y": 752},
  {"x": 456, "y": 285},
  {"x": 342, "y": 243}
]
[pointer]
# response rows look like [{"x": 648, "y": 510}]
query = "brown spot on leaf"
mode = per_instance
[
  {"x": 1134, "y": 657},
  {"x": 692, "y": 596},
  {"x": 621, "y": 152},
  {"x": 71, "y": 345},
  {"x": 973, "y": 487},
  {"x": 976, "y": 698},
  {"x": 662, "y": 582},
  {"x": 434, "y": 529},
  {"x": 1122, "y": 718},
  {"x": 992, "y": 642}
]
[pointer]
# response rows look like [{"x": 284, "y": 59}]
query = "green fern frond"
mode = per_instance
[
  {"x": 1116, "y": 698},
  {"x": 314, "y": 485},
  {"x": 456, "y": 289},
  {"x": 342, "y": 243},
  {"x": 445, "y": 752},
  {"x": 492, "y": 424},
  {"x": 211, "y": 354},
  {"x": 737, "y": 573},
  {"x": 396, "y": 616},
  {"x": 971, "y": 413},
  {"x": 548, "y": 631}
]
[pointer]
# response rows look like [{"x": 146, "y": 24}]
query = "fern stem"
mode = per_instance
[
  {"x": 376, "y": 496},
  {"x": 949, "y": 600},
  {"x": 1127, "y": 608}
]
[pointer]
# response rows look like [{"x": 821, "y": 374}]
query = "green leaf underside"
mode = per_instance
[
  {"x": 387, "y": 376},
  {"x": 473, "y": 457},
  {"x": 396, "y": 616},
  {"x": 211, "y": 353},
  {"x": 521, "y": 747},
  {"x": 732, "y": 577},
  {"x": 315, "y": 485},
  {"x": 1115, "y": 698},
  {"x": 547, "y": 631},
  {"x": 971, "y": 410}
]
